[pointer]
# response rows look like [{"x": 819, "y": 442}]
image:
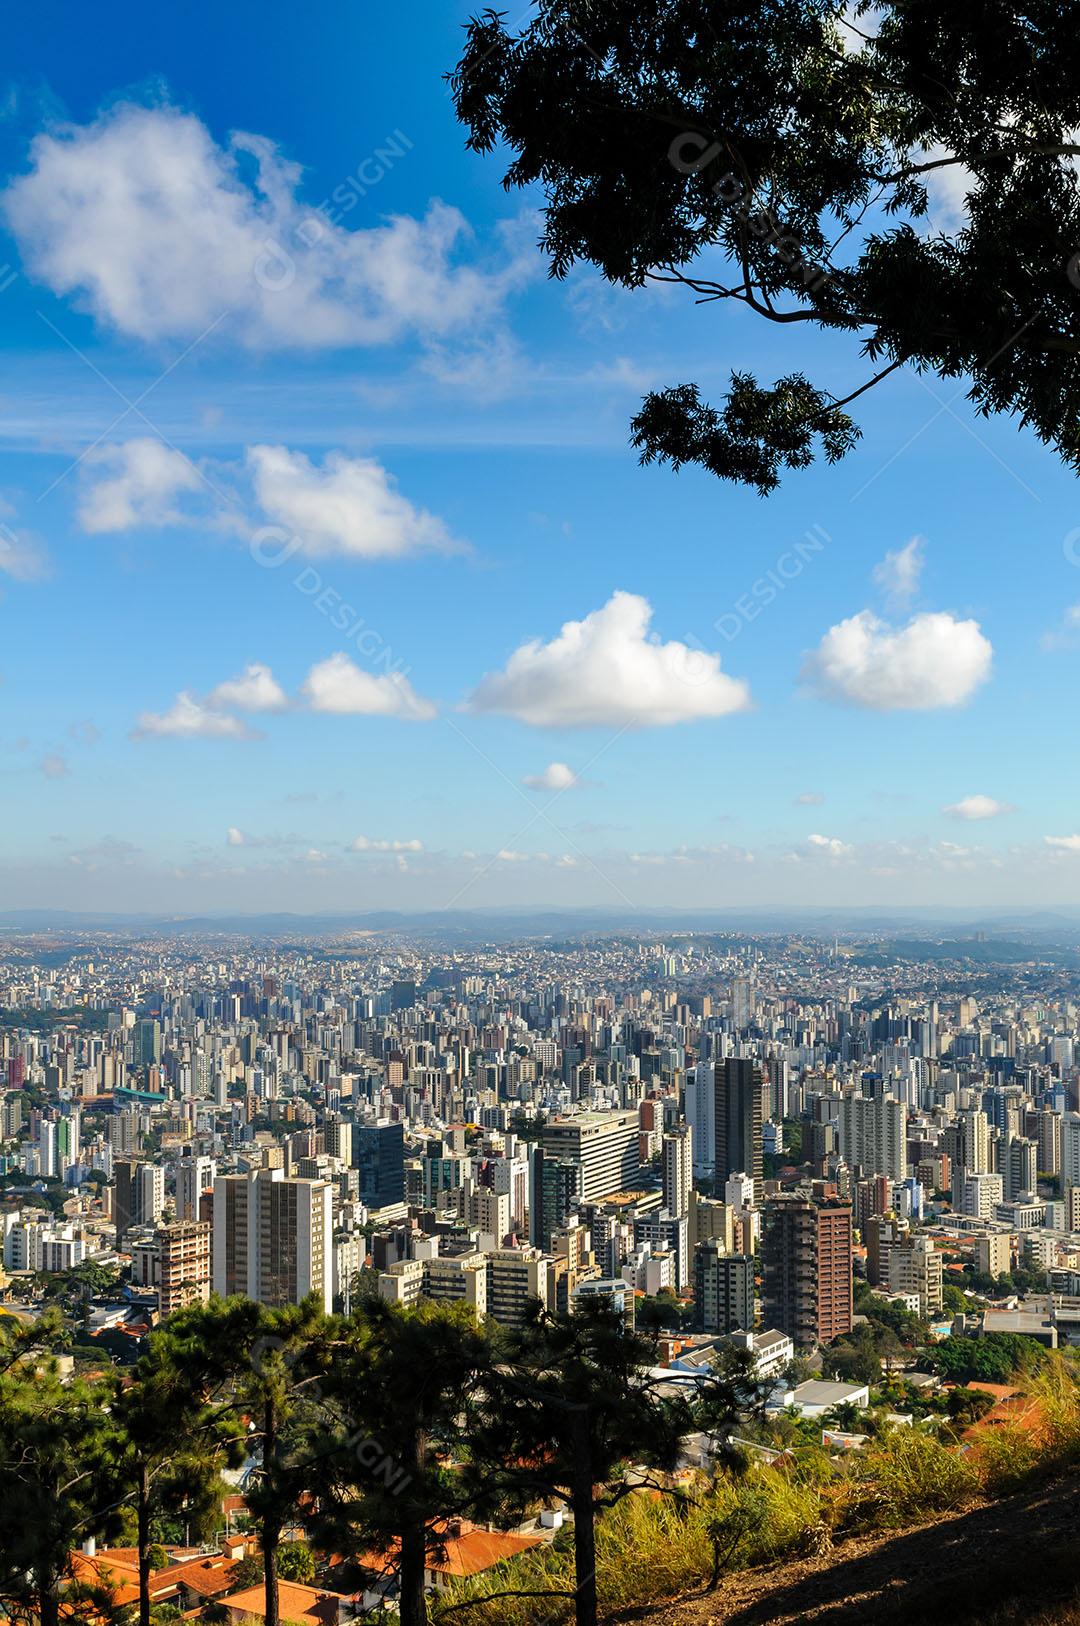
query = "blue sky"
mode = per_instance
[{"x": 358, "y": 398}]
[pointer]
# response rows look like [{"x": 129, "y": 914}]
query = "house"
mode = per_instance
[
  {"x": 815, "y": 1398},
  {"x": 464, "y": 1549},
  {"x": 304, "y": 1605},
  {"x": 1029, "y": 1321},
  {"x": 772, "y": 1351},
  {"x": 188, "y": 1583}
]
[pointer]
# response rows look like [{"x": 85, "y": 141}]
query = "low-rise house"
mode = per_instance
[{"x": 816, "y": 1397}]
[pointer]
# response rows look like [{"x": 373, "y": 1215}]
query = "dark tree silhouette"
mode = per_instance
[{"x": 778, "y": 156}]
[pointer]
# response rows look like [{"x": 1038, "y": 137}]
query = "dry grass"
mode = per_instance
[{"x": 652, "y": 1547}]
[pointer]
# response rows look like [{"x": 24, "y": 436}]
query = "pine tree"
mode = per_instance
[
  {"x": 178, "y": 1430},
  {"x": 401, "y": 1397},
  {"x": 58, "y": 1457}
]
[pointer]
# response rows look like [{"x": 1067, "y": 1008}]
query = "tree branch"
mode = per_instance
[{"x": 476, "y": 1603}]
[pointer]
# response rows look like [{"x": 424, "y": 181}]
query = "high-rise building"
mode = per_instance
[
  {"x": 123, "y": 1197},
  {"x": 1070, "y": 1149},
  {"x": 915, "y": 1266},
  {"x": 554, "y": 1187},
  {"x": 739, "y": 1089},
  {"x": 606, "y": 1146},
  {"x": 806, "y": 1250},
  {"x": 379, "y": 1154},
  {"x": 515, "y": 1275},
  {"x": 678, "y": 1169},
  {"x": 272, "y": 1237},
  {"x": 185, "y": 1264},
  {"x": 146, "y": 1040},
  {"x": 993, "y": 1253},
  {"x": 139, "y": 1196},
  {"x": 699, "y": 1104},
  {"x": 873, "y": 1135},
  {"x": 743, "y": 1002},
  {"x": 194, "y": 1175},
  {"x": 1020, "y": 1168},
  {"x": 723, "y": 1290}
]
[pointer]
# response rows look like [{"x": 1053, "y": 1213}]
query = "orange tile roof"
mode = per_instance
[
  {"x": 209, "y": 1577},
  {"x": 1018, "y": 1411},
  {"x": 295, "y": 1602},
  {"x": 468, "y": 1553},
  {"x": 117, "y": 1568}
]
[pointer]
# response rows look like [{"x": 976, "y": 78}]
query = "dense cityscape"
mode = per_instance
[{"x": 858, "y": 1174}]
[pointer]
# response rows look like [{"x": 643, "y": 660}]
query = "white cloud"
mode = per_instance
[
  {"x": 254, "y": 689},
  {"x": 1063, "y": 636},
  {"x": 556, "y": 776},
  {"x": 1069, "y": 844},
  {"x": 22, "y": 554},
  {"x": 933, "y": 661},
  {"x": 809, "y": 798},
  {"x": 162, "y": 234},
  {"x": 141, "y": 482},
  {"x": 53, "y": 766},
  {"x": 349, "y": 506},
  {"x": 337, "y": 684},
  {"x": 235, "y": 837},
  {"x": 190, "y": 718},
  {"x": 365, "y": 844},
  {"x": 898, "y": 573},
  {"x": 685, "y": 854},
  {"x": 831, "y": 846},
  {"x": 947, "y": 187},
  {"x": 608, "y": 670},
  {"x": 977, "y": 807}
]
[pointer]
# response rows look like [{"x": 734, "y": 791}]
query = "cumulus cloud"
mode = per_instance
[
  {"x": 809, "y": 798},
  {"x": 1069, "y": 844},
  {"x": 365, "y": 844},
  {"x": 254, "y": 689},
  {"x": 898, "y": 573},
  {"x": 556, "y": 776},
  {"x": 190, "y": 718},
  {"x": 337, "y": 684},
  {"x": 163, "y": 234},
  {"x": 977, "y": 807},
  {"x": 53, "y": 766},
  {"x": 350, "y": 506},
  {"x": 235, "y": 837},
  {"x": 933, "y": 661},
  {"x": 831, "y": 846},
  {"x": 136, "y": 483},
  {"x": 333, "y": 685},
  {"x": 608, "y": 670}
]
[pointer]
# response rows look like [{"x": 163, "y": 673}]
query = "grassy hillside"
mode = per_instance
[{"x": 917, "y": 1525}]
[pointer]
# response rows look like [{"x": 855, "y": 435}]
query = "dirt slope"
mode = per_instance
[{"x": 1010, "y": 1562}]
